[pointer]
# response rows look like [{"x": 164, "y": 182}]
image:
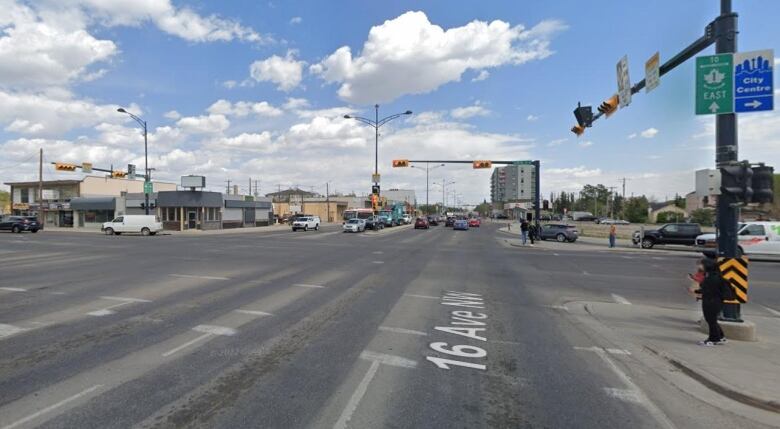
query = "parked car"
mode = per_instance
[
  {"x": 375, "y": 223},
  {"x": 450, "y": 221},
  {"x": 671, "y": 233},
  {"x": 354, "y": 225},
  {"x": 753, "y": 238},
  {"x": 421, "y": 223},
  {"x": 407, "y": 218},
  {"x": 18, "y": 224},
  {"x": 386, "y": 220},
  {"x": 461, "y": 224},
  {"x": 306, "y": 223},
  {"x": 582, "y": 216},
  {"x": 143, "y": 224},
  {"x": 474, "y": 222},
  {"x": 560, "y": 232},
  {"x": 433, "y": 220}
]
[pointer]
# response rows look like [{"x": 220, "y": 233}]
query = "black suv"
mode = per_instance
[
  {"x": 374, "y": 223},
  {"x": 671, "y": 233},
  {"x": 20, "y": 223}
]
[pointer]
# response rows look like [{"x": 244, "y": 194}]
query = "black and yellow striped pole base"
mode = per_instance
[{"x": 735, "y": 271}]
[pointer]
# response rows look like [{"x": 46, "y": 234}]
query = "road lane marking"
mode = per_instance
[
  {"x": 556, "y": 254},
  {"x": 627, "y": 395},
  {"x": 13, "y": 289},
  {"x": 121, "y": 298},
  {"x": 191, "y": 276},
  {"x": 8, "y": 330},
  {"x": 208, "y": 332},
  {"x": 558, "y": 307},
  {"x": 253, "y": 312},
  {"x": 53, "y": 407},
  {"x": 771, "y": 310},
  {"x": 377, "y": 252},
  {"x": 658, "y": 258},
  {"x": 387, "y": 359},
  {"x": 585, "y": 273},
  {"x": 308, "y": 285},
  {"x": 620, "y": 300},
  {"x": 422, "y": 296},
  {"x": 627, "y": 257},
  {"x": 402, "y": 330},
  {"x": 618, "y": 352},
  {"x": 379, "y": 262},
  {"x": 641, "y": 398},
  {"x": 357, "y": 395}
]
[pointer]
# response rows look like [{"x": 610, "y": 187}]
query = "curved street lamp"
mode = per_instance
[
  {"x": 142, "y": 123},
  {"x": 376, "y": 123},
  {"x": 444, "y": 185}
]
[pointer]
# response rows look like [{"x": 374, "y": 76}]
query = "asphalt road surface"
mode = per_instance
[{"x": 396, "y": 329}]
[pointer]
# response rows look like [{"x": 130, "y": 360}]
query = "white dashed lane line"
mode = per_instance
[
  {"x": 620, "y": 300},
  {"x": 208, "y": 332},
  {"x": 402, "y": 330},
  {"x": 192, "y": 276}
]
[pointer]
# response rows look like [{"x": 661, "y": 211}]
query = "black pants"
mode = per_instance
[{"x": 711, "y": 309}]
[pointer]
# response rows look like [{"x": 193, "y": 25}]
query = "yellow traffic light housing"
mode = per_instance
[
  {"x": 609, "y": 106},
  {"x": 400, "y": 163},
  {"x": 482, "y": 164},
  {"x": 118, "y": 174},
  {"x": 61, "y": 166},
  {"x": 579, "y": 130}
]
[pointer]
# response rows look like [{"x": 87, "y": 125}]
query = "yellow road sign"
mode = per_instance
[{"x": 735, "y": 270}]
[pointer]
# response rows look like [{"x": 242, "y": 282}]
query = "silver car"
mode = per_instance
[{"x": 354, "y": 225}]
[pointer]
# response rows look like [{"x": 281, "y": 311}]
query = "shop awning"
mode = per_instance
[{"x": 93, "y": 203}]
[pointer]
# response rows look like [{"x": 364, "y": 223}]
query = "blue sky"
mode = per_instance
[{"x": 242, "y": 89}]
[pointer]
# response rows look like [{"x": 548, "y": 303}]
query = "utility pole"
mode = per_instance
[
  {"x": 611, "y": 202},
  {"x": 227, "y": 188},
  {"x": 327, "y": 200},
  {"x": 257, "y": 188},
  {"x": 40, "y": 187}
]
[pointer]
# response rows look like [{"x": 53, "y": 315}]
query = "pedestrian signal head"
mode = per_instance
[
  {"x": 584, "y": 115},
  {"x": 482, "y": 164},
  {"x": 400, "y": 163},
  {"x": 609, "y": 106}
]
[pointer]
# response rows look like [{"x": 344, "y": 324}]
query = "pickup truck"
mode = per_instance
[
  {"x": 671, "y": 233},
  {"x": 306, "y": 223},
  {"x": 754, "y": 238}
]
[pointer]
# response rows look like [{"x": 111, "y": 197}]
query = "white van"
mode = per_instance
[
  {"x": 761, "y": 238},
  {"x": 143, "y": 224}
]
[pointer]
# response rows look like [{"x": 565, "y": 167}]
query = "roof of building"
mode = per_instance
[
  {"x": 291, "y": 191},
  {"x": 45, "y": 183}
]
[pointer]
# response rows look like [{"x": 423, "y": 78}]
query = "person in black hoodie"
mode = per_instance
[{"x": 711, "y": 291}]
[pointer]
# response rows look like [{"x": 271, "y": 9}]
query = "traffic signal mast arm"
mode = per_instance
[
  {"x": 711, "y": 32},
  {"x": 79, "y": 166}
]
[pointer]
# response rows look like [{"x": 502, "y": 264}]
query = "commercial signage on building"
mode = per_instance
[
  {"x": 51, "y": 194},
  {"x": 21, "y": 206}
]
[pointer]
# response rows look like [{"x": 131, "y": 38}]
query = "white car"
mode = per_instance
[
  {"x": 143, "y": 224},
  {"x": 753, "y": 238},
  {"x": 354, "y": 225},
  {"x": 407, "y": 218},
  {"x": 306, "y": 223}
]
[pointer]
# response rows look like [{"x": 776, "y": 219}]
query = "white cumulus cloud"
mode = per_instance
[
  {"x": 649, "y": 133},
  {"x": 243, "y": 108},
  {"x": 483, "y": 74},
  {"x": 410, "y": 55},
  {"x": 286, "y": 72},
  {"x": 208, "y": 124},
  {"x": 469, "y": 112}
]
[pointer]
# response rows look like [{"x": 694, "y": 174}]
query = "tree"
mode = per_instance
[
  {"x": 679, "y": 201},
  {"x": 5, "y": 201},
  {"x": 636, "y": 209},
  {"x": 666, "y": 217},
  {"x": 483, "y": 209},
  {"x": 704, "y": 217}
]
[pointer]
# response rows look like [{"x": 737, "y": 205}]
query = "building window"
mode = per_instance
[
  {"x": 170, "y": 214},
  {"x": 212, "y": 214},
  {"x": 98, "y": 216},
  {"x": 25, "y": 195}
]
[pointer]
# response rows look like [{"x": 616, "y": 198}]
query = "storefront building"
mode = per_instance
[
  {"x": 246, "y": 211},
  {"x": 183, "y": 210}
]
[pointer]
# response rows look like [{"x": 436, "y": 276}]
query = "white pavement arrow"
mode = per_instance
[
  {"x": 714, "y": 107},
  {"x": 754, "y": 104}
]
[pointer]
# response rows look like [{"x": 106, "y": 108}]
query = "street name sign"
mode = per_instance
[
  {"x": 653, "y": 72},
  {"x": 753, "y": 84},
  {"x": 375, "y": 178},
  {"x": 86, "y": 167},
  {"x": 624, "y": 83},
  {"x": 714, "y": 84}
]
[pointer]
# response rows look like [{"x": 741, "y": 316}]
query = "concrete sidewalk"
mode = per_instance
[
  {"x": 747, "y": 372},
  {"x": 193, "y": 232}
]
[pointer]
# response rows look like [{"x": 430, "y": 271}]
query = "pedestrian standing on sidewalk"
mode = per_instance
[
  {"x": 612, "y": 235},
  {"x": 713, "y": 291},
  {"x": 524, "y": 231},
  {"x": 532, "y": 233}
]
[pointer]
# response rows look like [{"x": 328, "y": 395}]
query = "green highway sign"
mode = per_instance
[
  {"x": 715, "y": 84},
  {"x": 148, "y": 188}
]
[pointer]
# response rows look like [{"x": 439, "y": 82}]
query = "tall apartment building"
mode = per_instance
[{"x": 513, "y": 183}]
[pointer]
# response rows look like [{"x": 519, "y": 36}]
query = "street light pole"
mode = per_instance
[
  {"x": 377, "y": 123},
  {"x": 146, "y": 156},
  {"x": 427, "y": 181}
]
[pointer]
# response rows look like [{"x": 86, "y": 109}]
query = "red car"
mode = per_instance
[
  {"x": 474, "y": 222},
  {"x": 420, "y": 223}
]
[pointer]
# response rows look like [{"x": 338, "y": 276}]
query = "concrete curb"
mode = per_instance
[{"x": 715, "y": 384}]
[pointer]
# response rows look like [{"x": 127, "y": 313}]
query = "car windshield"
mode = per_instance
[{"x": 353, "y": 221}]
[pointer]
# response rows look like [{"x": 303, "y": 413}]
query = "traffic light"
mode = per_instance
[
  {"x": 400, "y": 163},
  {"x": 482, "y": 164},
  {"x": 763, "y": 184},
  {"x": 584, "y": 115},
  {"x": 131, "y": 171},
  {"x": 60, "y": 166},
  {"x": 578, "y": 130},
  {"x": 736, "y": 182},
  {"x": 609, "y": 106},
  {"x": 375, "y": 189},
  {"x": 374, "y": 202},
  {"x": 118, "y": 174}
]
